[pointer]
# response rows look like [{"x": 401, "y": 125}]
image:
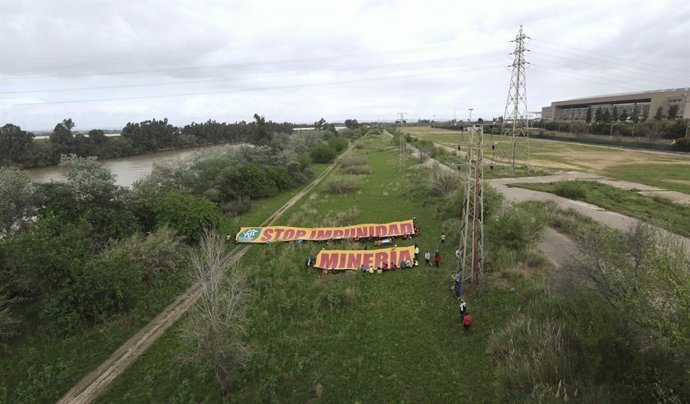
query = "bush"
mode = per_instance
[
  {"x": 444, "y": 182},
  {"x": 188, "y": 215},
  {"x": 516, "y": 228},
  {"x": 571, "y": 189},
  {"x": 338, "y": 144},
  {"x": 357, "y": 165},
  {"x": 323, "y": 153},
  {"x": 343, "y": 185},
  {"x": 681, "y": 145}
]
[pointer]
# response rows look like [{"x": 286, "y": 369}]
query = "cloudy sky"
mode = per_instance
[{"x": 106, "y": 62}]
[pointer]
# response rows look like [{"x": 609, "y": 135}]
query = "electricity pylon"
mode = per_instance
[
  {"x": 515, "y": 116},
  {"x": 402, "y": 142},
  {"x": 471, "y": 259}
]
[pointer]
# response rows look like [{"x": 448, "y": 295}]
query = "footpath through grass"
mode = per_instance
[
  {"x": 659, "y": 211},
  {"x": 393, "y": 337},
  {"x": 40, "y": 367}
]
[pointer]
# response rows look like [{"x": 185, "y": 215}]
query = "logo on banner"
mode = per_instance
[{"x": 249, "y": 235}]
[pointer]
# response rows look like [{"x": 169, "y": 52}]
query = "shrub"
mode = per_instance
[
  {"x": 188, "y": 215},
  {"x": 338, "y": 144},
  {"x": 357, "y": 165},
  {"x": 681, "y": 145},
  {"x": 343, "y": 185},
  {"x": 516, "y": 228},
  {"x": 237, "y": 207},
  {"x": 571, "y": 189},
  {"x": 323, "y": 153},
  {"x": 444, "y": 182}
]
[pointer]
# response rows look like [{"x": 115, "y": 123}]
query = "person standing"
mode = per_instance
[
  {"x": 443, "y": 238},
  {"x": 437, "y": 258},
  {"x": 427, "y": 258},
  {"x": 467, "y": 322},
  {"x": 416, "y": 252},
  {"x": 463, "y": 310}
]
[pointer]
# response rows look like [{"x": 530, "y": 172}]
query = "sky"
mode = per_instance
[{"x": 104, "y": 63}]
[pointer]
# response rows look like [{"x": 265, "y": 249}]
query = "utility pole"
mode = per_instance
[
  {"x": 402, "y": 142},
  {"x": 471, "y": 260},
  {"x": 515, "y": 115},
  {"x": 470, "y": 109}
]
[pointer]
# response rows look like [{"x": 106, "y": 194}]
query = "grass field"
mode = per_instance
[
  {"x": 664, "y": 170},
  {"x": 40, "y": 367},
  {"x": 348, "y": 337},
  {"x": 662, "y": 212}
]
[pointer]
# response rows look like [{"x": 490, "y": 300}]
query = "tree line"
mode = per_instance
[
  {"x": 21, "y": 148},
  {"x": 83, "y": 251}
]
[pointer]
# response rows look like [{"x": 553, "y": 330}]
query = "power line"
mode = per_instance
[
  {"x": 278, "y": 73},
  {"x": 271, "y": 87},
  {"x": 611, "y": 56}
]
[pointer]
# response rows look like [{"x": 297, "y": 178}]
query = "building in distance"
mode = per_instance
[{"x": 647, "y": 103}]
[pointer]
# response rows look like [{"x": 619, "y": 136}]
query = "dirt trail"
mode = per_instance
[{"x": 94, "y": 383}]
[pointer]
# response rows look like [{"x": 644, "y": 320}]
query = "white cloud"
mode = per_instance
[{"x": 126, "y": 60}]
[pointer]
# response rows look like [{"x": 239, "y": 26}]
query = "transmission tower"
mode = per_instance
[
  {"x": 471, "y": 259},
  {"x": 402, "y": 142},
  {"x": 515, "y": 118}
]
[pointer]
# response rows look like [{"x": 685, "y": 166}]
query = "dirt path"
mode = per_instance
[
  {"x": 94, "y": 383},
  {"x": 605, "y": 217},
  {"x": 556, "y": 247}
]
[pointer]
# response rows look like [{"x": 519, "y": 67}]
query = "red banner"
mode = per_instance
[
  {"x": 272, "y": 234},
  {"x": 354, "y": 259}
]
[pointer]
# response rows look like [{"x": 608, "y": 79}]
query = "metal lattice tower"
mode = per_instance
[
  {"x": 515, "y": 116},
  {"x": 471, "y": 259},
  {"x": 402, "y": 142}
]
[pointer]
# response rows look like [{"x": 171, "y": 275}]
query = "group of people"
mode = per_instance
[
  {"x": 385, "y": 267},
  {"x": 437, "y": 258}
]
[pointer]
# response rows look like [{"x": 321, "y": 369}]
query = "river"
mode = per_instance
[{"x": 127, "y": 170}]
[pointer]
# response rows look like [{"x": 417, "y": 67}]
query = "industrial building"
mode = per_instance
[{"x": 647, "y": 103}]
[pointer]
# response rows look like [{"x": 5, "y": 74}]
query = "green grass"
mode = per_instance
[
  {"x": 662, "y": 212},
  {"x": 564, "y": 155},
  {"x": 348, "y": 337},
  {"x": 40, "y": 367},
  {"x": 674, "y": 177}
]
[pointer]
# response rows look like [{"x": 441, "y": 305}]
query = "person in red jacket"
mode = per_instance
[
  {"x": 437, "y": 258},
  {"x": 467, "y": 322}
]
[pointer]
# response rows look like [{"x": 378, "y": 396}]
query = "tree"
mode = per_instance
[
  {"x": 635, "y": 116},
  {"x": 351, "y": 124},
  {"x": 624, "y": 116},
  {"x": 673, "y": 111},
  {"x": 188, "y": 215},
  {"x": 644, "y": 276},
  {"x": 62, "y": 134},
  {"x": 88, "y": 180},
  {"x": 214, "y": 332},
  {"x": 97, "y": 136},
  {"x": 323, "y": 153},
  {"x": 614, "y": 114},
  {"x": 320, "y": 124},
  {"x": 606, "y": 116},
  {"x": 588, "y": 119},
  {"x": 652, "y": 129},
  {"x": 599, "y": 115},
  {"x": 16, "y": 199},
  {"x": 260, "y": 135},
  {"x": 150, "y": 135},
  {"x": 659, "y": 115},
  {"x": 14, "y": 144}
]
